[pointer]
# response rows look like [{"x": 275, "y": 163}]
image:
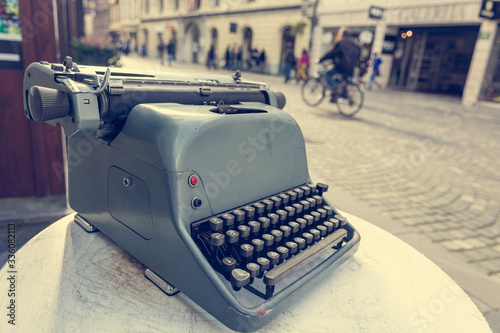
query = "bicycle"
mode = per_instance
[{"x": 349, "y": 95}]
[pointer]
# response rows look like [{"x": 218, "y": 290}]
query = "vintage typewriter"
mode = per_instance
[{"x": 202, "y": 178}]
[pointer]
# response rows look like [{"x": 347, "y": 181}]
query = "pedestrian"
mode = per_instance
[
  {"x": 302, "y": 66},
  {"x": 229, "y": 58},
  {"x": 211, "y": 58},
  {"x": 161, "y": 51},
  {"x": 288, "y": 61},
  {"x": 144, "y": 50},
  {"x": 345, "y": 55},
  {"x": 262, "y": 60},
  {"x": 170, "y": 51},
  {"x": 238, "y": 57},
  {"x": 377, "y": 61}
]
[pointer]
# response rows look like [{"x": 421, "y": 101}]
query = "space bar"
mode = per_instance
[{"x": 280, "y": 272}]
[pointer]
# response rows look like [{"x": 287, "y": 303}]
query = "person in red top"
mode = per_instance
[{"x": 302, "y": 66}]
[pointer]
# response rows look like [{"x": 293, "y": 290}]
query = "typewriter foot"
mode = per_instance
[
  {"x": 269, "y": 291},
  {"x": 166, "y": 287},
  {"x": 85, "y": 224}
]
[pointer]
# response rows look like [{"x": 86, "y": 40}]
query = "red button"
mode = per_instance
[{"x": 193, "y": 180}]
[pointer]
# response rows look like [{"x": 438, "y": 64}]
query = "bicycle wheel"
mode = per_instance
[
  {"x": 313, "y": 91},
  {"x": 351, "y": 101}
]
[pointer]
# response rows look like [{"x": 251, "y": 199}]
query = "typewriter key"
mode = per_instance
[
  {"x": 232, "y": 236},
  {"x": 277, "y": 235},
  {"x": 283, "y": 252},
  {"x": 273, "y": 258},
  {"x": 258, "y": 245},
  {"x": 217, "y": 239},
  {"x": 273, "y": 218},
  {"x": 239, "y": 216},
  {"x": 292, "y": 247},
  {"x": 254, "y": 227},
  {"x": 283, "y": 215},
  {"x": 312, "y": 202},
  {"x": 268, "y": 240},
  {"x": 313, "y": 188},
  {"x": 264, "y": 264},
  {"x": 215, "y": 224},
  {"x": 228, "y": 220},
  {"x": 290, "y": 210},
  {"x": 246, "y": 250},
  {"x": 322, "y": 229},
  {"x": 298, "y": 208},
  {"x": 259, "y": 208},
  {"x": 309, "y": 219},
  {"x": 286, "y": 230},
  {"x": 301, "y": 242},
  {"x": 294, "y": 226},
  {"x": 276, "y": 201},
  {"x": 228, "y": 264},
  {"x": 308, "y": 238},
  {"x": 253, "y": 269},
  {"x": 341, "y": 219},
  {"x": 329, "y": 210},
  {"x": 268, "y": 204},
  {"x": 249, "y": 212},
  {"x": 239, "y": 278},
  {"x": 305, "y": 204},
  {"x": 322, "y": 212},
  {"x": 284, "y": 198},
  {"x": 292, "y": 195},
  {"x": 319, "y": 199},
  {"x": 316, "y": 216},
  {"x": 335, "y": 222},
  {"x": 244, "y": 231},
  {"x": 302, "y": 223},
  {"x": 300, "y": 193},
  {"x": 315, "y": 233},
  {"x": 264, "y": 223},
  {"x": 322, "y": 188},
  {"x": 329, "y": 226},
  {"x": 306, "y": 190}
]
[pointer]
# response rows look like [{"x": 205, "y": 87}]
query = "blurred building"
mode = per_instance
[
  {"x": 442, "y": 47},
  {"x": 130, "y": 16},
  {"x": 195, "y": 25}
]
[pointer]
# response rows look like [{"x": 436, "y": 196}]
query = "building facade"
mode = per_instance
[{"x": 440, "y": 47}]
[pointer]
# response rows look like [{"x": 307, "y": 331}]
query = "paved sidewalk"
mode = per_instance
[{"x": 419, "y": 165}]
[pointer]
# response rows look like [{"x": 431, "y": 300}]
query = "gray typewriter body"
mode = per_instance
[{"x": 151, "y": 159}]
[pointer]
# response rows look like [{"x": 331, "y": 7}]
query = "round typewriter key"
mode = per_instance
[
  {"x": 313, "y": 187},
  {"x": 276, "y": 201},
  {"x": 341, "y": 219},
  {"x": 322, "y": 229},
  {"x": 249, "y": 212},
  {"x": 292, "y": 195},
  {"x": 264, "y": 264},
  {"x": 273, "y": 258},
  {"x": 284, "y": 198},
  {"x": 216, "y": 239},
  {"x": 268, "y": 240},
  {"x": 282, "y": 214},
  {"x": 244, "y": 231},
  {"x": 305, "y": 205},
  {"x": 253, "y": 269},
  {"x": 316, "y": 216},
  {"x": 302, "y": 223},
  {"x": 294, "y": 226},
  {"x": 300, "y": 193},
  {"x": 298, "y": 208},
  {"x": 309, "y": 219},
  {"x": 322, "y": 212},
  {"x": 286, "y": 230},
  {"x": 215, "y": 224},
  {"x": 329, "y": 226},
  {"x": 322, "y": 188},
  {"x": 228, "y": 264},
  {"x": 259, "y": 208},
  {"x": 290, "y": 210},
  {"x": 306, "y": 190},
  {"x": 268, "y": 203},
  {"x": 283, "y": 252},
  {"x": 239, "y": 278},
  {"x": 319, "y": 200},
  {"x": 312, "y": 202},
  {"x": 273, "y": 218},
  {"x": 232, "y": 236},
  {"x": 228, "y": 220},
  {"x": 277, "y": 235},
  {"x": 292, "y": 247},
  {"x": 335, "y": 222},
  {"x": 254, "y": 227},
  {"x": 246, "y": 250},
  {"x": 258, "y": 244},
  {"x": 308, "y": 237},
  {"x": 329, "y": 210},
  {"x": 301, "y": 242},
  {"x": 316, "y": 233},
  {"x": 264, "y": 222},
  {"x": 239, "y": 216}
]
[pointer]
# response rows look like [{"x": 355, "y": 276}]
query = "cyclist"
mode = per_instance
[{"x": 345, "y": 55}]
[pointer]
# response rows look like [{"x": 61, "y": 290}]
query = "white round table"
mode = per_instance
[{"x": 68, "y": 280}]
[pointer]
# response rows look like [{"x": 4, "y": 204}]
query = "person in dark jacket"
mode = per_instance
[
  {"x": 288, "y": 61},
  {"x": 345, "y": 55}
]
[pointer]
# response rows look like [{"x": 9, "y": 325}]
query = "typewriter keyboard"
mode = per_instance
[{"x": 270, "y": 239}]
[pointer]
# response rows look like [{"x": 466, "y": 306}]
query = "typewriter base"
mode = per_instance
[{"x": 71, "y": 279}]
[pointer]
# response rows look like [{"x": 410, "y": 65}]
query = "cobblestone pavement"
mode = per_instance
[{"x": 419, "y": 159}]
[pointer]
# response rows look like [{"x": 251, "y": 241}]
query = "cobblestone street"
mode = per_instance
[{"x": 425, "y": 166}]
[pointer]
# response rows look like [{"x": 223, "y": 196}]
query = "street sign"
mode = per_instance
[
  {"x": 490, "y": 10},
  {"x": 389, "y": 44},
  {"x": 376, "y": 12}
]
